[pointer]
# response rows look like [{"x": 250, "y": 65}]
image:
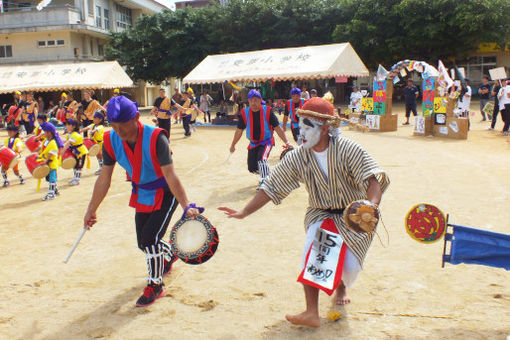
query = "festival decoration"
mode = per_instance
[{"x": 425, "y": 223}]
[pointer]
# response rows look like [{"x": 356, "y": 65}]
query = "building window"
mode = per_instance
[
  {"x": 124, "y": 17},
  {"x": 91, "y": 48},
  {"x": 50, "y": 43},
  {"x": 477, "y": 67},
  {"x": 60, "y": 43},
  {"x": 5, "y": 51},
  {"x": 100, "y": 50},
  {"x": 106, "y": 19},
  {"x": 41, "y": 43},
  {"x": 91, "y": 7},
  {"x": 99, "y": 19}
]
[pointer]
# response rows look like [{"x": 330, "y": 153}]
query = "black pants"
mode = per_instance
[
  {"x": 29, "y": 128},
  {"x": 495, "y": 114},
  {"x": 295, "y": 133},
  {"x": 259, "y": 153},
  {"x": 151, "y": 227},
  {"x": 80, "y": 162},
  {"x": 505, "y": 114},
  {"x": 207, "y": 114},
  {"x": 409, "y": 108},
  {"x": 164, "y": 124},
  {"x": 85, "y": 123},
  {"x": 186, "y": 120}
]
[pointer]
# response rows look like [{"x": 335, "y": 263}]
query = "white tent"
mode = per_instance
[
  {"x": 56, "y": 77},
  {"x": 321, "y": 61}
]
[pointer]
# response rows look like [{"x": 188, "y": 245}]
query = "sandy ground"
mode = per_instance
[{"x": 247, "y": 288}]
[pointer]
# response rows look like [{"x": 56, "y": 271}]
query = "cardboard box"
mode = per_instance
[
  {"x": 456, "y": 128},
  {"x": 428, "y": 128}
]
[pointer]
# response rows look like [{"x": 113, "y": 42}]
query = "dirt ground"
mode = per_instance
[{"x": 245, "y": 290}]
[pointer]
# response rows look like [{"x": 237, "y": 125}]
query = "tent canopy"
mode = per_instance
[
  {"x": 56, "y": 77},
  {"x": 308, "y": 62}
]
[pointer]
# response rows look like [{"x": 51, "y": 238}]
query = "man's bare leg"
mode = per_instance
[
  {"x": 341, "y": 297},
  {"x": 310, "y": 317}
]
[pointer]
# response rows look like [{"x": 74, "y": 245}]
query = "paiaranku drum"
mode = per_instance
[
  {"x": 37, "y": 167},
  {"x": 8, "y": 158},
  {"x": 194, "y": 241},
  {"x": 92, "y": 147},
  {"x": 68, "y": 160},
  {"x": 32, "y": 143}
]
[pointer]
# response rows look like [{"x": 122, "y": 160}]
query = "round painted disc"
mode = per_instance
[{"x": 425, "y": 223}]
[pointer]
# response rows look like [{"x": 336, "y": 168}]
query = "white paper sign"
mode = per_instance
[
  {"x": 443, "y": 130},
  {"x": 453, "y": 125},
  {"x": 419, "y": 125},
  {"x": 354, "y": 120},
  {"x": 497, "y": 73},
  {"x": 373, "y": 121},
  {"x": 322, "y": 261}
]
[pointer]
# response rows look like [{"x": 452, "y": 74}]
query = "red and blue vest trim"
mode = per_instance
[
  {"x": 266, "y": 129},
  {"x": 294, "y": 118},
  {"x": 141, "y": 165}
]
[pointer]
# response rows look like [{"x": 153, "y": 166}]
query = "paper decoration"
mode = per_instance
[
  {"x": 41, "y": 5},
  {"x": 425, "y": 223},
  {"x": 440, "y": 105},
  {"x": 488, "y": 109},
  {"x": 403, "y": 72},
  {"x": 443, "y": 130},
  {"x": 444, "y": 79},
  {"x": 367, "y": 105},
  {"x": 454, "y": 126},
  {"x": 428, "y": 96},
  {"x": 440, "y": 118},
  {"x": 373, "y": 122},
  {"x": 497, "y": 73},
  {"x": 396, "y": 80},
  {"x": 381, "y": 73},
  {"x": 379, "y": 97},
  {"x": 419, "y": 125}
]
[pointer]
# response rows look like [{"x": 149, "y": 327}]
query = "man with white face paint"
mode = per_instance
[
  {"x": 335, "y": 171},
  {"x": 259, "y": 122}
]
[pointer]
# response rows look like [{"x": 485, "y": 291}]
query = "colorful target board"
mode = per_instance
[{"x": 425, "y": 223}]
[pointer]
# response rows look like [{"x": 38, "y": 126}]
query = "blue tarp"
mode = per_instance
[{"x": 475, "y": 246}]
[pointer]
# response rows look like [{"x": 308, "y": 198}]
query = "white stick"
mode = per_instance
[
  {"x": 75, "y": 244},
  {"x": 228, "y": 157}
]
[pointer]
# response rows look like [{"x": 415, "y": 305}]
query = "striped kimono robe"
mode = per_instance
[{"x": 349, "y": 167}]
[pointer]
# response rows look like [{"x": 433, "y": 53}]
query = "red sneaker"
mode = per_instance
[{"x": 150, "y": 294}]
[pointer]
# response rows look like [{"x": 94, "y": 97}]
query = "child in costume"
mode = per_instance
[
  {"x": 74, "y": 142},
  {"x": 14, "y": 143},
  {"x": 49, "y": 154},
  {"x": 96, "y": 132}
]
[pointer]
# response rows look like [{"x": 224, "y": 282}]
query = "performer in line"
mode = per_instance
[
  {"x": 293, "y": 104},
  {"x": 74, "y": 142},
  {"x": 162, "y": 110},
  {"x": 14, "y": 143},
  {"x": 96, "y": 132},
  {"x": 30, "y": 113},
  {"x": 90, "y": 106},
  {"x": 335, "y": 171},
  {"x": 49, "y": 153},
  {"x": 189, "y": 111},
  {"x": 260, "y": 124},
  {"x": 19, "y": 104},
  {"x": 143, "y": 151}
]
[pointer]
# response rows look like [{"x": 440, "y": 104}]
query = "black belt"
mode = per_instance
[{"x": 335, "y": 211}]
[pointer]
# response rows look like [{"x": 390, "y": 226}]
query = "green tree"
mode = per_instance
[{"x": 387, "y": 31}]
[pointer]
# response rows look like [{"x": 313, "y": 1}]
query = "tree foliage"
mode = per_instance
[
  {"x": 382, "y": 31},
  {"x": 387, "y": 31}
]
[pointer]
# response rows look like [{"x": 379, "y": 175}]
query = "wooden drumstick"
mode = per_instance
[
  {"x": 228, "y": 157},
  {"x": 75, "y": 244}
]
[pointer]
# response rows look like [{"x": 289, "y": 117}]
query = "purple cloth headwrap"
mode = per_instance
[
  {"x": 120, "y": 109},
  {"x": 254, "y": 93},
  {"x": 98, "y": 114},
  {"x": 295, "y": 91},
  {"x": 51, "y": 128},
  {"x": 71, "y": 121}
]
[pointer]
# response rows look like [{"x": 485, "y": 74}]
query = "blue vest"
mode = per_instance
[
  {"x": 142, "y": 166},
  {"x": 294, "y": 118}
]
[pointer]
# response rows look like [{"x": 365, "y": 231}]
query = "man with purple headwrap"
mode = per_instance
[
  {"x": 144, "y": 153},
  {"x": 293, "y": 104},
  {"x": 49, "y": 153},
  {"x": 259, "y": 122}
]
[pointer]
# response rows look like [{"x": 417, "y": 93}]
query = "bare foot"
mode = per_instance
[
  {"x": 309, "y": 319},
  {"x": 341, "y": 297}
]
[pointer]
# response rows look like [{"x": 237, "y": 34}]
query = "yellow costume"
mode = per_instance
[
  {"x": 164, "y": 109},
  {"x": 14, "y": 144},
  {"x": 29, "y": 111},
  {"x": 96, "y": 133},
  {"x": 50, "y": 152},
  {"x": 91, "y": 108},
  {"x": 40, "y": 133},
  {"x": 77, "y": 147}
]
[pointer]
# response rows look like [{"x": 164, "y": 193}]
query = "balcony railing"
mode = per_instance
[
  {"x": 50, "y": 59},
  {"x": 25, "y": 17}
]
